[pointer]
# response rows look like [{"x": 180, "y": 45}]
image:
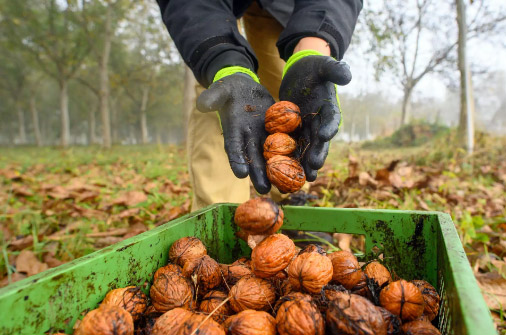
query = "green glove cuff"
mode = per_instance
[
  {"x": 230, "y": 70},
  {"x": 301, "y": 54},
  {"x": 298, "y": 55}
]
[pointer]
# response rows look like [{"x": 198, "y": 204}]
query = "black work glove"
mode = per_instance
[
  {"x": 241, "y": 103},
  {"x": 309, "y": 82}
]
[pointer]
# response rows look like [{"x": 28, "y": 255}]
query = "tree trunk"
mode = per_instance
[
  {"x": 104, "y": 82},
  {"x": 114, "y": 121},
  {"x": 405, "y": 105},
  {"x": 35, "y": 121},
  {"x": 466, "y": 124},
  {"x": 92, "y": 129},
  {"x": 64, "y": 110},
  {"x": 188, "y": 98},
  {"x": 144, "y": 123},
  {"x": 21, "y": 124}
]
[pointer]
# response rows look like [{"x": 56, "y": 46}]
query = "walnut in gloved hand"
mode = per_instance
[
  {"x": 309, "y": 81},
  {"x": 241, "y": 102}
]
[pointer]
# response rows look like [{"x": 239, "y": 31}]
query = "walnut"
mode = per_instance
[
  {"x": 130, "y": 298},
  {"x": 278, "y": 144},
  {"x": 211, "y": 301},
  {"x": 205, "y": 272},
  {"x": 170, "y": 291},
  {"x": 309, "y": 272},
  {"x": 282, "y": 117},
  {"x": 430, "y": 298},
  {"x": 419, "y": 328},
  {"x": 299, "y": 315},
  {"x": 259, "y": 216},
  {"x": 168, "y": 268},
  {"x": 393, "y": 321},
  {"x": 272, "y": 255},
  {"x": 351, "y": 314},
  {"x": 171, "y": 321},
  {"x": 199, "y": 324},
  {"x": 313, "y": 248},
  {"x": 252, "y": 293},
  {"x": 402, "y": 298},
  {"x": 250, "y": 322},
  {"x": 378, "y": 273},
  {"x": 346, "y": 269},
  {"x": 235, "y": 271},
  {"x": 285, "y": 173},
  {"x": 185, "y": 249},
  {"x": 107, "y": 319}
]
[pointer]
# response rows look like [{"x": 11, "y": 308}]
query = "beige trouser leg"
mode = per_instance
[{"x": 211, "y": 177}]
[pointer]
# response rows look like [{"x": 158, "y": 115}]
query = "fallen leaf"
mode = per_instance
[
  {"x": 352, "y": 167},
  {"x": 365, "y": 179},
  {"x": 130, "y": 198},
  {"x": 51, "y": 261},
  {"x": 107, "y": 241},
  {"x": 16, "y": 276},
  {"x": 28, "y": 263},
  {"x": 21, "y": 243},
  {"x": 493, "y": 287},
  {"x": 58, "y": 192},
  {"x": 135, "y": 229},
  {"x": 113, "y": 232},
  {"x": 22, "y": 190},
  {"x": 128, "y": 213}
]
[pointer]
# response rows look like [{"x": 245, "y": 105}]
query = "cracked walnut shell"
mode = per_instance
[{"x": 205, "y": 272}]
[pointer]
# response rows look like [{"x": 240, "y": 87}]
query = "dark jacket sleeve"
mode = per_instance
[
  {"x": 331, "y": 20},
  {"x": 205, "y": 33}
]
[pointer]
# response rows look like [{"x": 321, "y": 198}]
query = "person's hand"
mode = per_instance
[
  {"x": 309, "y": 81},
  {"x": 241, "y": 103}
]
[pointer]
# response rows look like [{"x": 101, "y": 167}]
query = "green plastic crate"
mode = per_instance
[{"x": 415, "y": 244}]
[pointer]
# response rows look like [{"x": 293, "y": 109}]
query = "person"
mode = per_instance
[{"x": 293, "y": 51}]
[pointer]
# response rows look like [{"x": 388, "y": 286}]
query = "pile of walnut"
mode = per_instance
[
  {"x": 284, "y": 171},
  {"x": 279, "y": 290}
]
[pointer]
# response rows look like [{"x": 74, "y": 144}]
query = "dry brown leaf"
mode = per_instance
[
  {"x": 16, "y": 276},
  {"x": 22, "y": 190},
  {"x": 28, "y": 263},
  {"x": 58, "y": 192},
  {"x": 128, "y": 213},
  {"x": 21, "y": 243},
  {"x": 107, "y": 241},
  {"x": 51, "y": 261},
  {"x": 11, "y": 174},
  {"x": 365, "y": 179},
  {"x": 112, "y": 232},
  {"x": 150, "y": 187},
  {"x": 352, "y": 167},
  {"x": 135, "y": 229},
  {"x": 130, "y": 198},
  {"x": 493, "y": 287}
]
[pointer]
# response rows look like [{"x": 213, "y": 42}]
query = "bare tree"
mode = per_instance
[{"x": 400, "y": 31}]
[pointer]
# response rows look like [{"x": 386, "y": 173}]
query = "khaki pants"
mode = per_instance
[{"x": 211, "y": 177}]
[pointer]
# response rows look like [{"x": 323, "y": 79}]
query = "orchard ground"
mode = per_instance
[{"x": 57, "y": 205}]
